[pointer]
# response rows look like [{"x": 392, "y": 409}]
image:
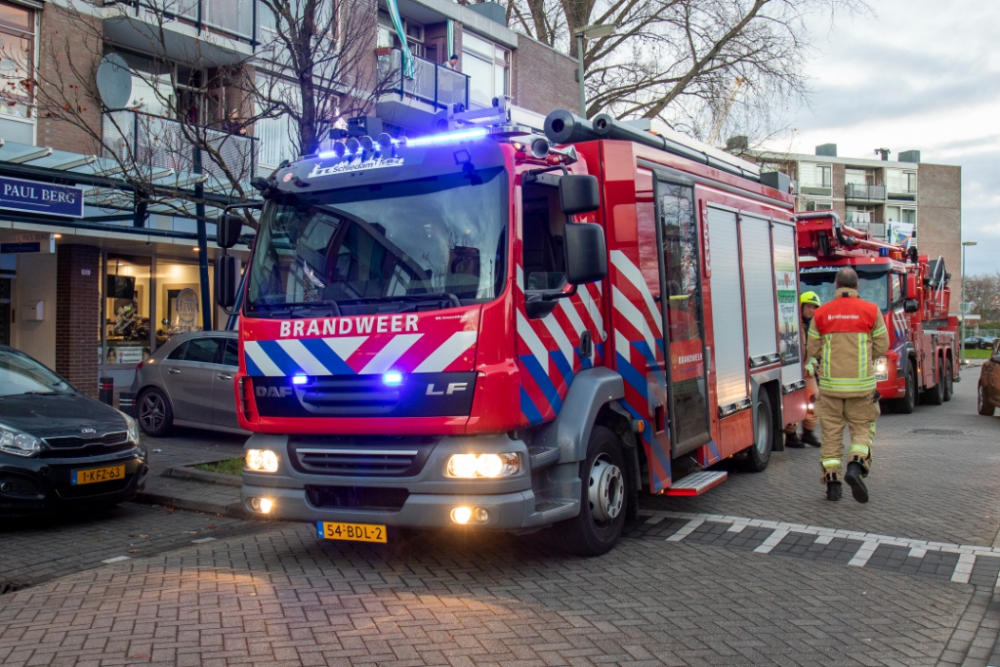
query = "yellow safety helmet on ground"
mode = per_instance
[{"x": 810, "y": 297}]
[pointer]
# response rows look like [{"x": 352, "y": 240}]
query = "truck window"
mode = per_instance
[
  {"x": 543, "y": 225},
  {"x": 896, "y": 289}
]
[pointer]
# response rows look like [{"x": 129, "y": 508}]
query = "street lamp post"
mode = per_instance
[
  {"x": 964, "y": 303},
  {"x": 588, "y": 32}
]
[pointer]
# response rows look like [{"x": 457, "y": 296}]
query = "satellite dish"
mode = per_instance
[{"x": 114, "y": 81}]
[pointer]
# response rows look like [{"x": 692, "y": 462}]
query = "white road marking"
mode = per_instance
[
  {"x": 685, "y": 530},
  {"x": 864, "y": 553},
  {"x": 963, "y": 570},
  {"x": 772, "y": 541},
  {"x": 116, "y": 559},
  {"x": 203, "y": 540}
]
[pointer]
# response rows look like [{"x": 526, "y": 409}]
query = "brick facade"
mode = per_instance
[
  {"x": 78, "y": 312},
  {"x": 66, "y": 38},
  {"x": 939, "y": 220},
  {"x": 544, "y": 79}
]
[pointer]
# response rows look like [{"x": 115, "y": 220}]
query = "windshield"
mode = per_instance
[
  {"x": 21, "y": 375},
  {"x": 873, "y": 284},
  {"x": 429, "y": 243}
]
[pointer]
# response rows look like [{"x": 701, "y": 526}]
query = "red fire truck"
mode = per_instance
[
  {"x": 499, "y": 330},
  {"x": 912, "y": 291}
]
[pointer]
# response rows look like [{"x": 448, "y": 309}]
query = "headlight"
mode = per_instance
[
  {"x": 881, "y": 369},
  {"x": 262, "y": 460},
  {"x": 133, "y": 429},
  {"x": 468, "y": 466},
  {"x": 18, "y": 443}
]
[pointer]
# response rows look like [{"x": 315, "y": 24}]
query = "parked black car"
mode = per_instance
[
  {"x": 59, "y": 449},
  {"x": 972, "y": 343}
]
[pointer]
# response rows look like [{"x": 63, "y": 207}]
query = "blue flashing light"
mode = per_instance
[
  {"x": 299, "y": 379},
  {"x": 449, "y": 137},
  {"x": 393, "y": 378},
  {"x": 883, "y": 252},
  {"x": 326, "y": 155}
]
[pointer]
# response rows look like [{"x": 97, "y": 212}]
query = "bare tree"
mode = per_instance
[
  {"x": 679, "y": 59},
  {"x": 983, "y": 291}
]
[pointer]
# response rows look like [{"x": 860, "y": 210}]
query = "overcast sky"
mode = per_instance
[{"x": 921, "y": 74}]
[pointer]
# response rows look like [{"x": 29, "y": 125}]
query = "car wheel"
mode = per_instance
[
  {"x": 949, "y": 381},
  {"x": 759, "y": 455},
  {"x": 596, "y": 529},
  {"x": 905, "y": 405},
  {"x": 156, "y": 417},
  {"x": 983, "y": 404}
]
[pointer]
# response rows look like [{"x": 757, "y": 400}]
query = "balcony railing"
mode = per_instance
[
  {"x": 435, "y": 84},
  {"x": 151, "y": 144},
  {"x": 236, "y": 18},
  {"x": 857, "y": 192}
]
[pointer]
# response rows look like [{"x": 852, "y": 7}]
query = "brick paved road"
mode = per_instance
[{"x": 281, "y": 597}]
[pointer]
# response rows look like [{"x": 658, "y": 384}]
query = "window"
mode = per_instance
[
  {"x": 895, "y": 288},
  {"x": 818, "y": 205},
  {"x": 902, "y": 182},
  {"x": 857, "y": 177},
  {"x": 815, "y": 179},
  {"x": 202, "y": 350},
  {"x": 486, "y": 65},
  {"x": 231, "y": 355},
  {"x": 17, "y": 61},
  {"x": 543, "y": 233},
  {"x": 179, "y": 352},
  {"x": 909, "y": 215},
  {"x": 126, "y": 306}
]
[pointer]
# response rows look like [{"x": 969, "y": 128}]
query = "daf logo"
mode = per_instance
[
  {"x": 452, "y": 388},
  {"x": 273, "y": 392},
  {"x": 88, "y": 430}
]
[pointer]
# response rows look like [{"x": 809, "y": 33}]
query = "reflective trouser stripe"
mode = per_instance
[
  {"x": 831, "y": 463},
  {"x": 862, "y": 450}
]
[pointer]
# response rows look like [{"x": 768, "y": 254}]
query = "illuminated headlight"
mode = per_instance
[
  {"x": 468, "y": 466},
  {"x": 133, "y": 429},
  {"x": 262, "y": 460},
  {"x": 881, "y": 369},
  {"x": 18, "y": 443}
]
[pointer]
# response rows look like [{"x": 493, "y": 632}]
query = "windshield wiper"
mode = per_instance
[{"x": 302, "y": 309}]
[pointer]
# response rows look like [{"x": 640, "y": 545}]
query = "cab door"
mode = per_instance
[
  {"x": 189, "y": 375},
  {"x": 683, "y": 315},
  {"x": 223, "y": 392}
]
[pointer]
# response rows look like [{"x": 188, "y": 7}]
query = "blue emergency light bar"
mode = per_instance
[
  {"x": 448, "y": 137},
  {"x": 393, "y": 378}
]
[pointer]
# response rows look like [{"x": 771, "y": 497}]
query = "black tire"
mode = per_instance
[
  {"x": 906, "y": 404},
  {"x": 949, "y": 380},
  {"x": 983, "y": 404},
  {"x": 935, "y": 395},
  {"x": 604, "y": 498},
  {"x": 154, "y": 413},
  {"x": 759, "y": 455}
]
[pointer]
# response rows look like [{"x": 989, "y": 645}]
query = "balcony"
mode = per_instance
[
  {"x": 415, "y": 102},
  {"x": 857, "y": 192},
  {"x": 158, "y": 147},
  {"x": 206, "y": 32}
]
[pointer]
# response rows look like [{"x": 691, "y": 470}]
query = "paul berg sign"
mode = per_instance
[{"x": 35, "y": 197}]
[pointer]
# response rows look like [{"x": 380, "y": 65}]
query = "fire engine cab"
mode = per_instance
[{"x": 494, "y": 329}]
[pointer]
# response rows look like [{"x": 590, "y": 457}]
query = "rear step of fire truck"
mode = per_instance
[{"x": 697, "y": 483}]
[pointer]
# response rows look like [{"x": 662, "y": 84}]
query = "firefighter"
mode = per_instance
[
  {"x": 847, "y": 335},
  {"x": 808, "y": 303}
]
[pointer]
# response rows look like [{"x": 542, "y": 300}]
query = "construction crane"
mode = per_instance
[{"x": 720, "y": 119}]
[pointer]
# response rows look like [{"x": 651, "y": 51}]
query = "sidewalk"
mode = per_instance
[{"x": 186, "y": 447}]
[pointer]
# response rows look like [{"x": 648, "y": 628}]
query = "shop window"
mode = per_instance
[
  {"x": 178, "y": 299},
  {"x": 126, "y": 288}
]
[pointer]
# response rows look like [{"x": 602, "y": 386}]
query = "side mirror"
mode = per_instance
[
  {"x": 586, "y": 253},
  {"x": 227, "y": 230},
  {"x": 911, "y": 286},
  {"x": 227, "y": 278},
  {"x": 579, "y": 194},
  {"x": 911, "y": 306}
]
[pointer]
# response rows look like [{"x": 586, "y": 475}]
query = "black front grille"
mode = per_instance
[
  {"x": 354, "y": 395},
  {"x": 74, "y": 446},
  {"x": 16, "y": 486},
  {"x": 357, "y": 497},
  {"x": 372, "y": 457}
]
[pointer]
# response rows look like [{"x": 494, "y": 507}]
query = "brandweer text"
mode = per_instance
[{"x": 343, "y": 326}]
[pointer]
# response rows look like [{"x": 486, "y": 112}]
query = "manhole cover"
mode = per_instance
[{"x": 937, "y": 431}]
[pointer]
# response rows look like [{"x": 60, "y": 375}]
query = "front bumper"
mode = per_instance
[
  {"x": 425, "y": 499},
  {"x": 41, "y": 485}
]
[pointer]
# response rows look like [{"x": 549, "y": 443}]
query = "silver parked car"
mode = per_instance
[{"x": 188, "y": 381}]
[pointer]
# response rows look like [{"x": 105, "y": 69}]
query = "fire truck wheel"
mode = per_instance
[
  {"x": 949, "y": 381},
  {"x": 596, "y": 529},
  {"x": 155, "y": 415},
  {"x": 759, "y": 455},
  {"x": 935, "y": 395},
  {"x": 905, "y": 405},
  {"x": 983, "y": 404}
]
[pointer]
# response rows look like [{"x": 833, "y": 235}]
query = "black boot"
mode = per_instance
[
  {"x": 809, "y": 438},
  {"x": 853, "y": 477},
  {"x": 792, "y": 440},
  {"x": 833, "y": 491}
]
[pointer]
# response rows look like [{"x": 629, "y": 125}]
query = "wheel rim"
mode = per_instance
[
  {"x": 763, "y": 429},
  {"x": 152, "y": 412},
  {"x": 607, "y": 490}
]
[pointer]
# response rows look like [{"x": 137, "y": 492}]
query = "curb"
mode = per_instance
[
  {"x": 191, "y": 475},
  {"x": 234, "y": 510}
]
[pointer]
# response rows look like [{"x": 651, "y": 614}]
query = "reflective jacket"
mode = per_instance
[{"x": 847, "y": 335}]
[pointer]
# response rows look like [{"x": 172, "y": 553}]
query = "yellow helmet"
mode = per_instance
[{"x": 811, "y": 298}]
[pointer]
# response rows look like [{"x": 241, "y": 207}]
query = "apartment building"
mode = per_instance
[
  {"x": 93, "y": 285},
  {"x": 873, "y": 194}
]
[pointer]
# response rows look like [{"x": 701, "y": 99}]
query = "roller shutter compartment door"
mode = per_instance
[
  {"x": 758, "y": 289},
  {"x": 787, "y": 290},
  {"x": 727, "y": 309}
]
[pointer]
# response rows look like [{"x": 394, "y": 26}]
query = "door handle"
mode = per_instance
[
  {"x": 225, "y": 376},
  {"x": 174, "y": 371}
]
